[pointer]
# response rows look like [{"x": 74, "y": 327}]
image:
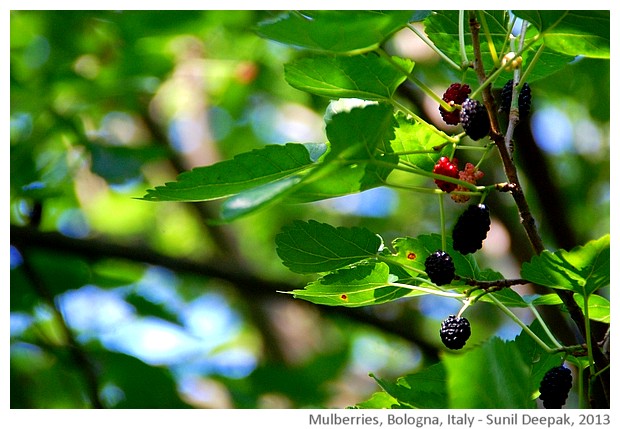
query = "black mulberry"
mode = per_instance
[
  {"x": 525, "y": 99},
  {"x": 471, "y": 229},
  {"x": 454, "y": 332},
  {"x": 475, "y": 119},
  {"x": 439, "y": 267},
  {"x": 555, "y": 386}
]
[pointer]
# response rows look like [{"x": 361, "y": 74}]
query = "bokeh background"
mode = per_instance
[{"x": 119, "y": 302}]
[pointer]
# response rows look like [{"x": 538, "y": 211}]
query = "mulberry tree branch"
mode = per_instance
[{"x": 510, "y": 169}]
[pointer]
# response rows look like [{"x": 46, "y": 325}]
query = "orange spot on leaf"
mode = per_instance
[{"x": 411, "y": 256}]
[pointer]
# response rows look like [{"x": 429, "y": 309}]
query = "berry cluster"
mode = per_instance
[
  {"x": 471, "y": 229},
  {"x": 475, "y": 119},
  {"x": 439, "y": 267},
  {"x": 448, "y": 168},
  {"x": 454, "y": 332},
  {"x": 555, "y": 386},
  {"x": 471, "y": 175},
  {"x": 455, "y": 94},
  {"x": 525, "y": 98}
]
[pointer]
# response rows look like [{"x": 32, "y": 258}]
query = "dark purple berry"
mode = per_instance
[
  {"x": 439, "y": 267},
  {"x": 475, "y": 119},
  {"x": 555, "y": 386},
  {"x": 525, "y": 98},
  {"x": 471, "y": 229},
  {"x": 455, "y": 94},
  {"x": 454, "y": 332}
]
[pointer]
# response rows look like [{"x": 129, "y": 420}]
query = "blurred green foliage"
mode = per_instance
[{"x": 105, "y": 105}]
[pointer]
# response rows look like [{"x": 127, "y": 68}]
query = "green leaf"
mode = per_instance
[
  {"x": 582, "y": 270},
  {"x": 378, "y": 401},
  {"x": 598, "y": 307},
  {"x": 338, "y": 32},
  {"x": 538, "y": 360},
  {"x": 442, "y": 28},
  {"x": 368, "y": 77},
  {"x": 573, "y": 32},
  {"x": 357, "y": 286},
  {"x": 313, "y": 247},
  {"x": 411, "y": 137},
  {"x": 253, "y": 199},
  {"x": 547, "y": 299},
  {"x": 489, "y": 376},
  {"x": 244, "y": 171},
  {"x": 424, "y": 389},
  {"x": 360, "y": 155},
  {"x": 357, "y": 134}
]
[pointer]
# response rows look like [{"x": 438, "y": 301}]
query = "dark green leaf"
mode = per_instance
[
  {"x": 245, "y": 171},
  {"x": 535, "y": 356},
  {"x": 489, "y": 376},
  {"x": 369, "y": 77},
  {"x": 313, "y": 247},
  {"x": 424, "y": 389},
  {"x": 334, "y": 31}
]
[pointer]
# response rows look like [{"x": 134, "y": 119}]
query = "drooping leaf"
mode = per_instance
[
  {"x": 369, "y": 76},
  {"x": 495, "y": 374},
  {"x": 598, "y": 307},
  {"x": 253, "y": 199},
  {"x": 244, "y": 171},
  {"x": 583, "y": 269},
  {"x": 338, "y": 32},
  {"x": 313, "y": 247},
  {"x": 424, "y": 389},
  {"x": 572, "y": 32}
]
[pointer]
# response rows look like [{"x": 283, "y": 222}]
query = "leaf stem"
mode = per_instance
[
  {"x": 544, "y": 326},
  {"x": 437, "y": 292},
  {"x": 442, "y": 219},
  {"x": 523, "y": 326},
  {"x": 431, "y": 45},
  {"x": 487, "y": 34},
  {"x": 423, "y": 122},
  {"x": 464, "y": 60}
]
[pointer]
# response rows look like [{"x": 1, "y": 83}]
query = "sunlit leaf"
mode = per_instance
[
  {"x": 598, "y": 307},
  {"x": 572, "y": 32},
  {"x": 313, "y": 247},
  {"x": 357, "y": 286},
  {"x": 334, "y": 31},
  {"x": 583, "y": 269},
  {"x": 417, "y": 144},
  {"x": 369, "y": 77}
]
